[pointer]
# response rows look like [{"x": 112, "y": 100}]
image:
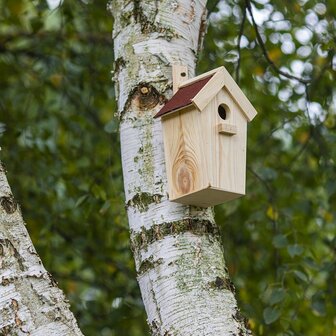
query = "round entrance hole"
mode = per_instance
[{"x": 223, "y": 111}]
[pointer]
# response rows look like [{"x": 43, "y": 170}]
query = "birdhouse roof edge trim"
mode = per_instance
[
  {"x": 221, "y": 79},
  {"x": 199, "y": 77}
]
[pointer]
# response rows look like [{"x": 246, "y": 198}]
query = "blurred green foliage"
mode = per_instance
[
  {"x": 61, "y": 149},
  {"x": 280, "y": 239},
  {"x": 60, "y": 146}
]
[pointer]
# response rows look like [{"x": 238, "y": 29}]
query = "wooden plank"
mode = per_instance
[
  {"x": 229, "y": 173},
  {"x": 210, "y": 89},
  {"x": 207, "y": 197},
  {"x": 238, "y": 95},
  {"x": 180, "y": 74},
  {"x": 226, "y": 129},
  {"x": 220, "y": 79},
  {"x": 184, "y": 152},
  {"x": 226, "y": 161}
]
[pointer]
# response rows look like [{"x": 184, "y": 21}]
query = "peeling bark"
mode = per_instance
[
  {"x": 30, "y": 301},
  {"x": 179, "y": 260}
]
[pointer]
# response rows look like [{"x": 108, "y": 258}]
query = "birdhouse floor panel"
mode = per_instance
[{"x": 207, "y": 197}]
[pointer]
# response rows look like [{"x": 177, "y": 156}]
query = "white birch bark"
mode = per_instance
[
  {"x": 181, "y": 271},
  {"x": 30, "y": 301}
]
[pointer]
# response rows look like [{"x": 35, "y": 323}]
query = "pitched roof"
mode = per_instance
[
  {"x": 183, "y": 97},
  {"x": 200, "y": 90}
]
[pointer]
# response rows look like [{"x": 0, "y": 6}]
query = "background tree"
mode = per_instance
[
  {"x": 55, "y": 110},
  {"x": 30, "y": 301}
]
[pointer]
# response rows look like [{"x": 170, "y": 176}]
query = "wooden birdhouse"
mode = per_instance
[{"x": 204, "y": 130}]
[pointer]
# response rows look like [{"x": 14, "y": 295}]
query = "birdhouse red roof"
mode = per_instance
[
  {"x": 183, "y": 97},
  {"x": 200, "y": 90}
]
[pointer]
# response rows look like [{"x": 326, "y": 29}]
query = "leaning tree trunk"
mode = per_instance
[
  {"x": 30, "y": 301},
  {"x": 179, "y": 260}
]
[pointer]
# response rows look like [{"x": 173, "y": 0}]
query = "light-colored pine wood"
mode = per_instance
[
  {"x": 184, "y": 156},
  {"x": 238, "y": 95},
  {"x": 222, "y": 78},
  {"x": 205, "y": 150},
  {"x": 207, "y": 197},
  {"x": 199, "y": 77},
  {"x": 209, "y": 91},
  {"x": 227, "y": 154},
  {"x": 205, "y": 167},
  {"x": 227, "y": 129},
  {"x": 180, "y": 74}
]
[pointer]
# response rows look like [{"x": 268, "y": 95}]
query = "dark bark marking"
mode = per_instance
[
  {"x": 2, "y": 167},
  {"x": 141, "y": 201},
  {"x": 119, "y": 64},
  {"x": 155, "y": 329},
  {"x": 52, "y": 280},
  {"x": 148, "y": 25},
  {"x": 6, "y": 243},
  {"x": 223, "y": 283},
  {"x": 142, "y": 98},
  {"x": 244, "y": 327},
  {"x": 145, "y": 97},
  {"x": 159, "y": 231},
  {"x": 8, "y": 203},
  {"x": 6, "y": 330},
  {"x": 148, "y": 264}
]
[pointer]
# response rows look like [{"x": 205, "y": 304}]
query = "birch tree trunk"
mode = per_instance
[
  {"x": 30, "y": 301},
  {"x": 181, "y": 270}
]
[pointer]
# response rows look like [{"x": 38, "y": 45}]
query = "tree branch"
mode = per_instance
[
  {"x": 265, "y": 52},
  {"x": 241, "y": 30}
]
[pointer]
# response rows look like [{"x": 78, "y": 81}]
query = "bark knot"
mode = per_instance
[
  {"x": 145, "y": 97},
  {"x": 223, "y": 283},
  {"x": 9, "y": 204}
]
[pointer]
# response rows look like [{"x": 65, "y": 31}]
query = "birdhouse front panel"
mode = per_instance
[
  {"x": 205, "y": 129},
  {"x": 225, "y": 131}
]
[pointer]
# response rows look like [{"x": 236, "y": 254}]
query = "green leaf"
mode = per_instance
[
  {"x": 295, "y": 250},
  {"x": 280, "y": 241},
  {"x": 268, "y": 173},
  {"x": 105, "y": 207},
  {"x": 271, "y": 315},
  {"x": 318, "y": 304},
  {"x": 111, "y": 126},
  {"x": 81, "y": 200},
  {"x": 99, "y": 192},
  {"x": 278, "y": 294},
  {"x": 301, "y": 276},
  {"x": 231, "y": 56}
]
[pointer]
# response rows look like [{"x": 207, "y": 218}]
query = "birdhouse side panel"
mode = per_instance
[
  {"x": 226, "y": 143},
  {"x": 184, "y": 152}
]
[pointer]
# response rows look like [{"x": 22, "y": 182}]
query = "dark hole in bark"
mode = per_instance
[{"x": 223, "y": 111}]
